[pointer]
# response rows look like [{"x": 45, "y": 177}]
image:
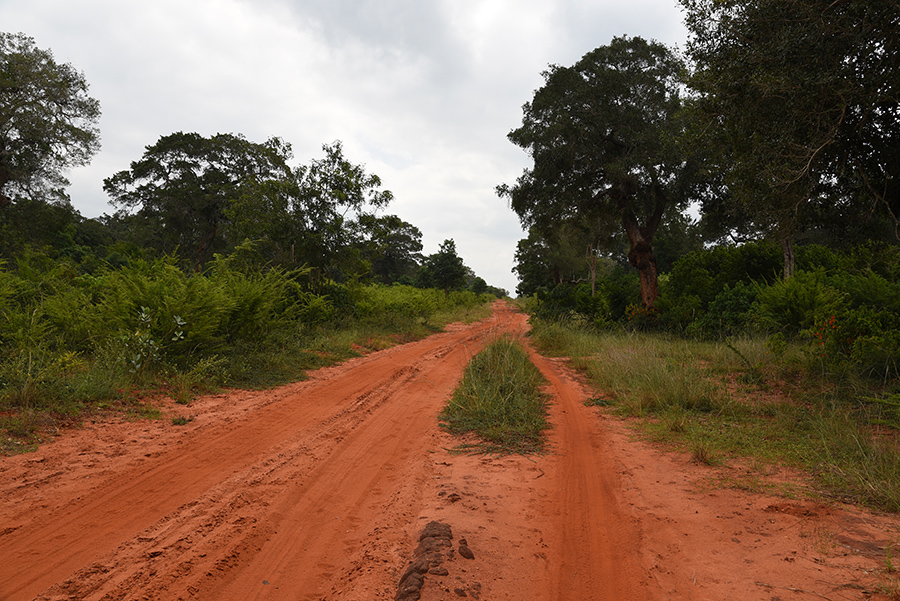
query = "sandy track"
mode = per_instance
[{"x": 318, "y": 490}]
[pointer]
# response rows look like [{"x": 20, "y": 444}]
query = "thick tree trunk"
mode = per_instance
[
  {"x": 641, "y": 254},
  {"x": 641, "y": 258}
]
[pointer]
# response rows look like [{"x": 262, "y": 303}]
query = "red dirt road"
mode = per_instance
[{"x": 320, "y": 489}]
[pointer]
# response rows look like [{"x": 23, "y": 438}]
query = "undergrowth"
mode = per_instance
[
  {"x": 736, "y": 399},
  {"x": 499, "y": 400},
  {"x": 72, "y": 344}
]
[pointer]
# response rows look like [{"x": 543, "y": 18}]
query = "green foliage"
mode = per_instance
[
  {"x": 729, "y": 314},
  {"x": 48, "y": 123},
  {"x": 799, "y": 98},
  {"x": 572, "y": 301},
  {"x": 184, "y": 185},
  {"x": 499, "y": 399},
  {"x": 70, "y": 341},
  {"x": 791, "y": 306},
  {"x": 602, "y": 138},
  {"x": 444, "y": 269},
  {"x": 703, "y": 275}
]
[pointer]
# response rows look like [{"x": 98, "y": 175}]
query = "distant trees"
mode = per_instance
[
  {"x": 602, "y": 137},
  {"x": 444, "y": 269},
  {"x": 184, "y": 185},
  {"x": 390, "y": 245},
  {"x": 195, "y": 196},
  {"x": 192, "y": 196},
  {"x": 48, "y": 122}
]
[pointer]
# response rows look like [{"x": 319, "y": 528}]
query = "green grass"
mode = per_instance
[
  {"x": 736, "y": 400},
  {"x": 499, "y": 400}
]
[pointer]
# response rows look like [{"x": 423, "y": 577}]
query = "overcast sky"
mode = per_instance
[{"x": 423, "y": 92}]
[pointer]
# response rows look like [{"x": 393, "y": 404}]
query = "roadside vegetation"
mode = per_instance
[
  {"x": 73, "y": 342},
  {"x": 802, "y": 372},
  {"x": 225, "y": 264},
  {"x": 499, "y": 402}
]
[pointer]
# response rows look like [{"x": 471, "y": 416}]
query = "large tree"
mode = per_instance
[
  {"x": 802, "y": 100},
  {"x": 48, "y": 123},
  {"x": 185, "y": 183},
  {"x": 334, "y": 194},
  {"x": 602, "y": 137}
]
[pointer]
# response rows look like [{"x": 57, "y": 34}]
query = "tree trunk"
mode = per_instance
[
  {"x": 641, "y": 254},
  {"x": 641, "y": 258},
  {"x": 787, "y": 246},
  {"x": 592, "y": 265},
  {"x": 204, "y": 245}
]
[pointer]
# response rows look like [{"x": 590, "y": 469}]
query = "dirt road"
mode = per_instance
[{"x": 320, "y": 489}]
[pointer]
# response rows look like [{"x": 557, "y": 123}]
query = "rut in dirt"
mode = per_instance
[{"x": 309, "y": 492}]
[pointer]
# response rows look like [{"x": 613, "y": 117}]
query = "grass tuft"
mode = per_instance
[{"x": 500, "y": 401}]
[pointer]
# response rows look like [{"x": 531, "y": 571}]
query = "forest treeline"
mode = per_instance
[{"x": 747, "y": 184}]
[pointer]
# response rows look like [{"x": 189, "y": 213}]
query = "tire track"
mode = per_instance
[{"x": 188, "y": 521}]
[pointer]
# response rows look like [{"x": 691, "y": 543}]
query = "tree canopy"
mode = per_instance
[
  {"x": 802, "y": 100},
  {"x": 444, "y": 269},
  {"x": 48, "y": 122},
  {"x": 185, "y": 183},
  {"x": 601, "y": 134}
]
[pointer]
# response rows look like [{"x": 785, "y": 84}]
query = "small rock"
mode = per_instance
[{"x": 464, "y": 550}]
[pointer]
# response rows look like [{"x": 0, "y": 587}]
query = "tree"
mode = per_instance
[
  {"x": 322, "y": 216},
  {"x": 48, "y": 123},
  {"x": 184, "y": 184},
  {"x": 390, "y": 245},
  {"x": 802, "y": 100},
  {"x": 601, "y": 134},
  {"x": 444, "y": 269},
  {"x": 334, "y": 193}
]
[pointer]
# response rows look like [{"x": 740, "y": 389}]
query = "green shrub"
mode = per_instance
[
  {"x": 729, "y": 314},
  {"x": 793, "y": 305},
  {"x": 705, "y": 274}
]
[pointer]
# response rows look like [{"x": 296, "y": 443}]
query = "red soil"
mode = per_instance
[{"x": 319, "y": 490}]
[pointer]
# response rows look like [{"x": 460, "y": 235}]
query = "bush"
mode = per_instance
[
  {"x": 793, "y": 305},
  {"x": 729, "y": 314}
]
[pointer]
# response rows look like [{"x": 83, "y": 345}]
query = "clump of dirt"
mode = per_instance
[{"x": 435, "y": 542}]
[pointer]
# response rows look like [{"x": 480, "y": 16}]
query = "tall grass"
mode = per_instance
[
  {"x": 500, "y": 401},
  {"x": 721, "y": 400}
]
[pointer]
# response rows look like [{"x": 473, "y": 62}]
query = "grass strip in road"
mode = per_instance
[{"x": 500, "y": 401}]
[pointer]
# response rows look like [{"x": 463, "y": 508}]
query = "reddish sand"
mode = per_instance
[{"x": 319, "y": 490}]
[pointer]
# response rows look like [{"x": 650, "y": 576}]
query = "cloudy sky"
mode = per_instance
[{"x": 423, "y": 92}]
